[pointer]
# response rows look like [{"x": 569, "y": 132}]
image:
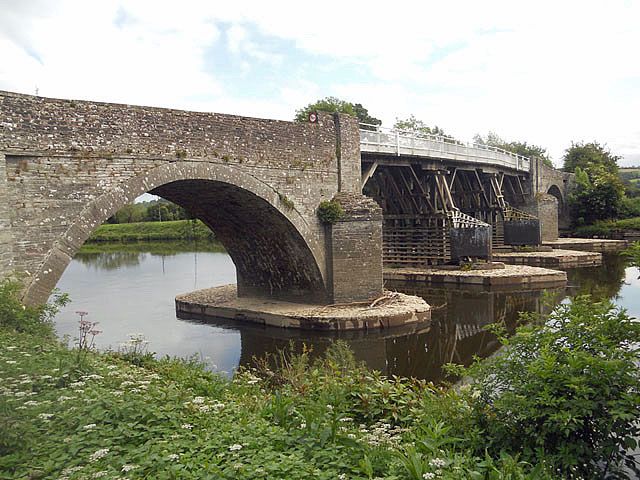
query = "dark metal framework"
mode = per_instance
[{"x": 426, "y": 204}]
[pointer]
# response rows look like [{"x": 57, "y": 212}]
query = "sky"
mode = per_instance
[{"x": 545, "y": 72}]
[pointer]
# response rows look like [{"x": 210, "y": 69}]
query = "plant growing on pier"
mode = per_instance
[
  {"x": 330, "y": 211},
  {"x": 286, "y": 201}
]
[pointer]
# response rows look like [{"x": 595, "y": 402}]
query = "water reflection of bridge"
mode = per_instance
[{"x": 456, "y": 333}]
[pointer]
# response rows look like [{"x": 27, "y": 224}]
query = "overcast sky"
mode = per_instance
[{"x": 543, "y": 72}]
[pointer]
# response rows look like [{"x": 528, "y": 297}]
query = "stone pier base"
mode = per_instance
[
  {"x": 588, "y": 244},
  {"x": 551, "y": 259},
  {"x": 391, "y": 310},
  {"x": 499, "y": 275}
]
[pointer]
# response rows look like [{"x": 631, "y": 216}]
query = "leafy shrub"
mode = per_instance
[
  {"x": 330, "y": 211},
  {"x": 16, "y": 316},
  {"x": 566, "y": 389}
]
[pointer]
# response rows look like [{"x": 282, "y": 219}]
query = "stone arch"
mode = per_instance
[
  {"x": 556, "y": 192},
  {"x": 563, "y": 214},
  {"x": 275, "y": 250}
]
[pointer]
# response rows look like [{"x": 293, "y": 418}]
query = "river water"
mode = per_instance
[{"x": 131, "y": 290}]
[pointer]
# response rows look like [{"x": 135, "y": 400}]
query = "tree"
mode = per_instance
[
  {"x": 332, "y": 105},
  {"x": 363, "y": 115},
  {"x": 599, "y": 192},
  {"x": 597, "y": 195},
  {"x": 588, "y": 155},
  {"x": 519, "y": 148},
  {"x": 414, "y": 125}
]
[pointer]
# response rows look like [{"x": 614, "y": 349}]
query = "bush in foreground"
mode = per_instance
[{"x": 565, "y": 389}]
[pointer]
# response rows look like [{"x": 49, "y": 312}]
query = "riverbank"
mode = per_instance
[
  {"x": 74, "y": 413},
  {"x": 613, "y": 229},
  {"x": 152, "y": 231}
]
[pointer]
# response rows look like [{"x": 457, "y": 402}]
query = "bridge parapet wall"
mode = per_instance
[{"x": 53, "y": 126}]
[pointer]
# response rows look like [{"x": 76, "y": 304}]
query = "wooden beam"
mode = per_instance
[{"x": 366, "y": 175}]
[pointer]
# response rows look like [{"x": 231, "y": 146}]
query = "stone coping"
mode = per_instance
[
  {"x": 396, "y": 310},
  {"x": 553, "y": 258},
  {"x": 587, "y": 244},
  {"x": 510, "y": 276}
]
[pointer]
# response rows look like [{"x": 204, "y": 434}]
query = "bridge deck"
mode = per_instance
[{"x": 394, "y": 142}]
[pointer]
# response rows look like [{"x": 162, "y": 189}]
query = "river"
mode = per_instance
[{"x": 130, "y": 289}]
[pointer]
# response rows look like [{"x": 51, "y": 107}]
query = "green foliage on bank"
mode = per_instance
[
  {"x": 159, "y": 210},
  {"x": 599, "y": 192},
  {"x": 152, "y": 231},
  {"x": 609, "y": 228},
  {"x": 558, "y": 403}
]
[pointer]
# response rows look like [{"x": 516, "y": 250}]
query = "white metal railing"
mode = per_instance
[{"x": 375, "y": 139}]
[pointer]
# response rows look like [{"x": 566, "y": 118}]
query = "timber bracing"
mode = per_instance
[{"x": 423, "y": 205}]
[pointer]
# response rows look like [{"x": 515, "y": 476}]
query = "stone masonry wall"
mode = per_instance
[
  {"x": 356, "y": 250},
  {"x": 6, "y": 243},
  {"x": 545, "y": 207},
  {"x": 71, "y": 164}
]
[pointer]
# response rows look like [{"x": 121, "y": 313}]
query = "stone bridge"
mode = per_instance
[{"x": 67, "y": 166}]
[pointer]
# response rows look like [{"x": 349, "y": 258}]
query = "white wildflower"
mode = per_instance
[
  {"x": 428, "y": 475},
  {"x": 98, "y": 454},
  {"x": 128, "y": 467},
  {"x": 198, "y": 400},
  {"x": 235, "y": 447},
  {"x": 173, "y": 456},
  {"x": 437, "y": 462},
  {"x": 186, "y": 426},
  {"x": 90, "y": 426},
  {"x": 45, "y": 416}
]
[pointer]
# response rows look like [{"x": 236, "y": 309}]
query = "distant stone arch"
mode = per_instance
[
  {"x": 556, "y": 192},
  {"x": 272, "y": 246}
]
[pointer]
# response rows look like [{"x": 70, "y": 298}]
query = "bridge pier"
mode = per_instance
[
  {"x": 545, "y": 207},
  {"x": 354, "y": 250}
]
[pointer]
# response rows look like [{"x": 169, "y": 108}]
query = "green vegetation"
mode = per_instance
[
  {"x": 630, "y": 178},
  {"x": 153, "y": 211},
  {"x": 333, "y": 105},
  {"x": 414, "y": 125},
  {"x": 560, "y": 402},
  {"x": 519, "y": 148},
  {"x": 609, "y": 228},
  {"x": 599, "y": 192},
  {"x": 589, "y": 155},
  {"x": 330, "y": 211},
  {"x": 152, "y": 231}
]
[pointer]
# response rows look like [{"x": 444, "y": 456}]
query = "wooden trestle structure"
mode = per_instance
[{"x": 436, "y": 215}]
